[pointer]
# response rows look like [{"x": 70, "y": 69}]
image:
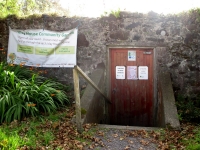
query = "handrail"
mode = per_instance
[
  {"x": 91, "y": 83},
  {"x": 77, "y": 70}
]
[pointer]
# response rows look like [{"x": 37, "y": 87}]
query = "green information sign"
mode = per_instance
[
  {"x": 44, "y": 51},
  {"x": 65, "y": 50},
  {"x": 25, "y": 49}
]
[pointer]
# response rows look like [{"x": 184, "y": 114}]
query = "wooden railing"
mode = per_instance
[{"x": 77, "y": 71}]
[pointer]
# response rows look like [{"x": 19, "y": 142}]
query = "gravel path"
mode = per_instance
[{"x": 115, "y": 139}]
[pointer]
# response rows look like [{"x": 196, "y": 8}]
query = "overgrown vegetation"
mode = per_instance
[
  {"x": 24, "y": 93},
  {"x": 55, "y": 131},
  {"x": 189, "y": 111},
  {"x": 188, "y": 108},
  {"x": 32, "y": 95},
  {"x": 115, "y": 13},
  {"x": 194, "y": 143},
  {"x": 24, "y": 8}
]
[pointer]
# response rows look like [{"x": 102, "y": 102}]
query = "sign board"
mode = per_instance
[
  {"x": 143, "y": 73},
  {"x": 131, "y": 55},
  {"x": 42, "y": 48},
  {"x": 132, "y": 72},
  {"x": 120, "y": 72}
]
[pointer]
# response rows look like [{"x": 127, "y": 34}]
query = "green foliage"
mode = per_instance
[
  {"x": 195, "y": 11},
  {"x": 28, "y": 134},
  {"x": 23, "y": 8},
  {"x": 194, "y": 144},
  {"x": 47, "y": 136},
  {"x": 9, "y": 7},
  {"x": 23, "y": 94},
  {"x": 188, "y": 108},
  {"x": 10, "y": 140},
  {"x": 116, "y": 13}
]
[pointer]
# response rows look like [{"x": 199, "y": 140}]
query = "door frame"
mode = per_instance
[{"x": 108, "y": 75}]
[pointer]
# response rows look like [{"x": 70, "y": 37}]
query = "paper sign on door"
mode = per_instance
[
  {"x": 132, "y": 72},
  {"x": 131, "y": 55},
  {"x": 143, "y": 73},
  {"x": 120, "y": 72}
]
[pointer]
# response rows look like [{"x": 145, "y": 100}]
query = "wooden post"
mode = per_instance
[
  {"x": 77, "y": 98},
  {"x": 91, "y": 83}
]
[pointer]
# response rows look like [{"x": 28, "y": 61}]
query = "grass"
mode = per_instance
[
  {"x": 32, "y": 133},
  {"x": 54, "y": 131},
  {"x": 194, "y": 143},
  {"x": 10, "y": 140},
  {"x": 29, "y": 112}
]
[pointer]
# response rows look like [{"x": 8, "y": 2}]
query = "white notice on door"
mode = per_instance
[
  {"x": 120, "y": 72},
  {"x": 132, "y": 72},
  {"x": 143, "y": 73},
  {"x": 131, "y": 55}
]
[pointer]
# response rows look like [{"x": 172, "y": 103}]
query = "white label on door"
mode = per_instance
[
  {"x": 120, "y": 72},
  {"x": 143, "y": 73},
  {"x": 132, "y": 72},
  {"x": 131, "y": 55}
]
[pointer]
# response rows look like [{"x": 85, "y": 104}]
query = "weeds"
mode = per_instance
[
  {"x": 116, "y": 13},
  {"x": 188, "y": 108},
  {"x": 10, "y": 140},
  {"x": 194, "y": 143},
  {"x": 54, "y": 131},
  {"x": 31, "y": 133},
  {"x": 47, "y": 137}
]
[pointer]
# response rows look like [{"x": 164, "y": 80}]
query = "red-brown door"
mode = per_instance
[{"x": 131, "y": 86}]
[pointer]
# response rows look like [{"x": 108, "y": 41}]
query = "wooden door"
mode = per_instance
[{"x": 131, "y": 93}]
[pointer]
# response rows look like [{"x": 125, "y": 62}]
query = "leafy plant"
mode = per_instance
[
  {"x": 194, "y": 144},
  {"x": 116, "y": 13},
  {"x": 48, "y": 136},
  {"x": 24, "y": 93},
  {"x": 188, "y": 108},
  {"x": 21, "y": 8},
  {"x": 10, "y": 140}
]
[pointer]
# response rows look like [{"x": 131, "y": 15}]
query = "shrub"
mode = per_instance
[
  {"x": 24, "y": 93},
  {"x": 188, "y": 108}
]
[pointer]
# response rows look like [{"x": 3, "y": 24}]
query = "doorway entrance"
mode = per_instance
[{"x": 131, "y": 86}]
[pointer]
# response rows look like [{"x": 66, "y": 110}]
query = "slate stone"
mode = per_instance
[
  {"x": 75, "y": 24},
  {"x": 192, "y": 27},
  {"x": 192, "y": 67},
  {"x": 120, "y": 34},
  {"x": 133, "y": 25},
  {"x": 112, "y": 26},
  {"x": 175, "y": 31},
  {"x": 82, "y": 41},
  {"x": 136, "y": 37},
  {"x": 110, "y": 18},
  {"x": 154, "y": 39},
  {"x": 152, "y": 14},
  {"x": 147, "y": 25},
  {"x": 190, "y": 37}
]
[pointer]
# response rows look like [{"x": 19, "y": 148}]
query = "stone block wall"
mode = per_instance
[{"x": 176, "y": 35}]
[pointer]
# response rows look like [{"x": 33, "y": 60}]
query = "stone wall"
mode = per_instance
[{"x": 176, "y": 37}]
